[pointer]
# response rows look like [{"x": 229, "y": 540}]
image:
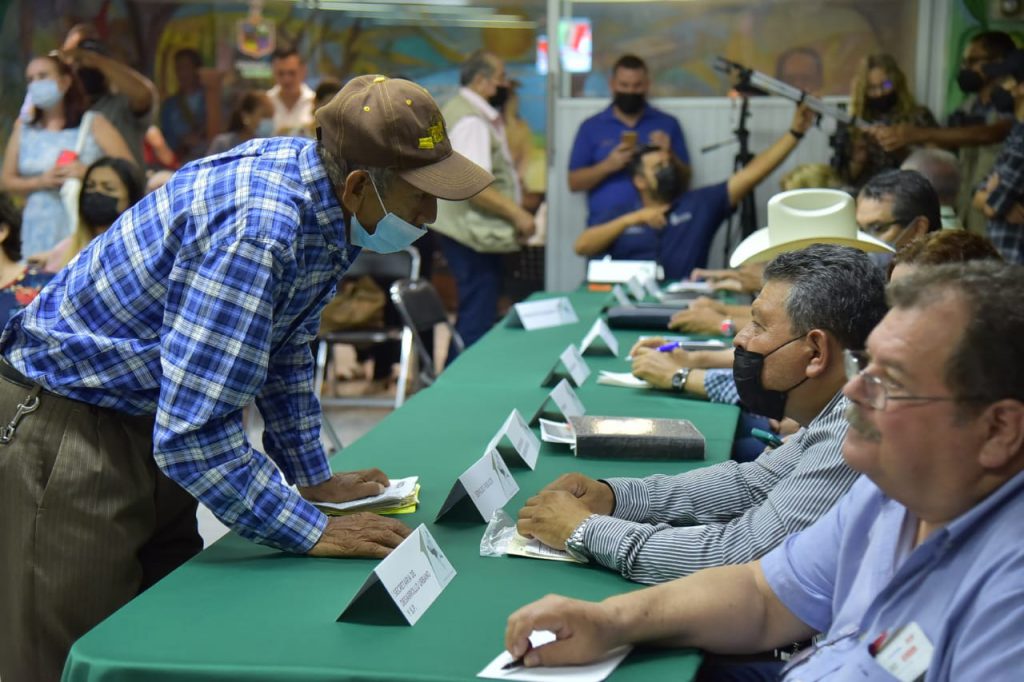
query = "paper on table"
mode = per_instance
[
  {"x": 593, "y": 672},
  {"x": 408, "y": 506},
  {"x": 623, "y": 379},
  {"x": 396, "y": 492},
  {"x": 702, "y": 286},
  {"x": 535, "y": 549},
  {"x": 556, "y": 432},
  {"x": 689, "y": 343}
]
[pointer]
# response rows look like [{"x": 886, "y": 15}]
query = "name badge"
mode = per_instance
[
  {"x": 550, "y": 312},
  {"x": 600, "y": 339},
  {"x": 636, "y": 289},
  {"x": 516, "y": 442},
  {"x": 404, "y": 584},
  {"x": 620, "y": 297},
  {"x": 907, "y": 654},
  {"x": 482, "y": 488},
  {"x": 570, "y": 365},
  {"x": 567, "y": 404}
]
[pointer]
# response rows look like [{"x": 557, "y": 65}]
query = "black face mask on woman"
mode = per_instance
[
  {"x": 98, "y": 209},
  {"x": 883, "y": 104},
  {"x": 746, "y": 369}
]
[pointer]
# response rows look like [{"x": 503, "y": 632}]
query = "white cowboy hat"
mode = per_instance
[{"x": 801, "y": 217}]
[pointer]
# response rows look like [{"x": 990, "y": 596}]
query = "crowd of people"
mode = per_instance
[{"x": 140, "y": 324}]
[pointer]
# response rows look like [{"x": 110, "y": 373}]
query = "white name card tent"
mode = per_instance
[
  {"x": 570, "y": 365},
  {"x": 549, "y": 312},
  {"x": 404, "y": 584},
  {"x": 516, "y": 442},
  {"x": 561, "y": 401},
  {"x": 608, "y": 271},
  {"x": 485, "y": 486},
  {"x": 600, "y": 340}
]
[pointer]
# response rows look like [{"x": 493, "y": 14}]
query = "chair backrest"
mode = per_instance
[
  {"x": 421, "y": 309},
  {"x": 404, "y": 264}
]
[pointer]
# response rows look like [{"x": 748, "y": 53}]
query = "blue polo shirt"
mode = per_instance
[
  {"x": 595, "y": 140},
  {"x": 683, "y": 243},
  {"x": 855, "y": 574}
]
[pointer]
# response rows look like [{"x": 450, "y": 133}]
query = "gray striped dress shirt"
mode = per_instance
[{"x": 664, "y": 527}]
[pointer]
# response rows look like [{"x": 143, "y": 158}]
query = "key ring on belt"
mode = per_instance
[{"x": 27, "y": 406}]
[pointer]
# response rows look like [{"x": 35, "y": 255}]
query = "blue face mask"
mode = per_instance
[
  {"x": 392, "y": 234},
  {"x": 45, "y": 93},
  {"x": 265, "y": 128}
]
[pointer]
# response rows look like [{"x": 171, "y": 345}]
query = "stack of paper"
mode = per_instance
[
  {"x": 535, "y": 549},
  {"x": 401, "y": 497},
  {"x": 503, "y": 666},
  {"x": 623, "y": 379}
]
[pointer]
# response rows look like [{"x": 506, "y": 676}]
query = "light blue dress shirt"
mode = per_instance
[{"x": 855, "y": 575}]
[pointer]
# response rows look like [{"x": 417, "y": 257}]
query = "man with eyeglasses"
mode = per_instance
[
  {"x": 897, "y": 206},
  {"x": 918, "y": 572}
]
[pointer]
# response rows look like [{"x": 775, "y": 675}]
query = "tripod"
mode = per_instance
[{"x": 747, "y": 213}]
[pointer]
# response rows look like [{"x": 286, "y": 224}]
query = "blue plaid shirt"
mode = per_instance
[
  {"x": 202, "y": 297},
  {"x": 1008, "y": 237}
]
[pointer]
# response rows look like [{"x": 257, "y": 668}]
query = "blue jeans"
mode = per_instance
[{"x": 478, "y": 285}]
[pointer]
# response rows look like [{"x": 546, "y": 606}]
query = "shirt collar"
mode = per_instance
[
  {"x": 481, "y": 105},
  {"x": 329, "y": 214},
  {"x": 966, "y": 523}
]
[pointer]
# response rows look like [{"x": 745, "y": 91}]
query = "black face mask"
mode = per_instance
[
  {"x": 883, "y": 104},
  {"x": 1002, "y": 100},
  {"x": 630, "y": 103},
  {"x": 669, "y": 183},
  {"x": 498, "y": 99},
  {"x": 969, "y": 81},
  {"x": 98, "y": 209},
  {"x": 746, "y": 369},
  {"x": 93, "y": 81}
]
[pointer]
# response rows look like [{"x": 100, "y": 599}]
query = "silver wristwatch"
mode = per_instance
[
  {"x": 574, "y": 545},
  {"x": 679, "y": 379}
]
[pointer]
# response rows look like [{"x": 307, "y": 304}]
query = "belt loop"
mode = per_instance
[{"x": 27, "y": 406}]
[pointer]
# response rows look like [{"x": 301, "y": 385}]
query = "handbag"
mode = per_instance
[
  {"x": 72, "y": 187},
  {"x": 359, "y": 304}
]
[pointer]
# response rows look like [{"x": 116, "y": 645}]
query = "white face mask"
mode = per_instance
[
  {"x": 45, "y": 93},
  {"x": 392, "y": 234}
]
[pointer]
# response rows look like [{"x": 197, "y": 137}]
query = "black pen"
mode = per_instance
[{"x": 517, "y": 662}]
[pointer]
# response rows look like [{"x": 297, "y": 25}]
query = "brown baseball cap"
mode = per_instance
[{"x": 384, "y": 122}]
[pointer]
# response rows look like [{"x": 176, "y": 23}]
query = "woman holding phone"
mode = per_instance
[{"x": 50, "y": 147}]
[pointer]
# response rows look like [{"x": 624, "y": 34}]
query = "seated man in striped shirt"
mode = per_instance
[{"x": 789, "y": 362}]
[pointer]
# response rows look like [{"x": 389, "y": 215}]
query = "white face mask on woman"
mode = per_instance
[{"x": 45, "y": 93}]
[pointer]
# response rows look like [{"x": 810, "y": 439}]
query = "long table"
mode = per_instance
[{"x": 242, "y": 611}]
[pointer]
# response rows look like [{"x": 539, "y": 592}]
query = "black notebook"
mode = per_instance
[{"x": 637, "y": 438}]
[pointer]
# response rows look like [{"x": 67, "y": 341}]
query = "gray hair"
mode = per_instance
[
  {"x": 833, "y": 288},
  {"x": 479, "y": 63},
  {"x": 941, "y": 169},
  {"x": 338, "y": 170},
  {"x": 987, "y": 363}
]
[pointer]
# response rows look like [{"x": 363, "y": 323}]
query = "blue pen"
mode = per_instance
[
  {"x": 766, "y": 437},
  {"x": 669, "y": 347}
]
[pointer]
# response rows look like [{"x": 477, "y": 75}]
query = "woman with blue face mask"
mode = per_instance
[
  {"x": 50, "y": 148},
  {"x": 252, "y": 117}
]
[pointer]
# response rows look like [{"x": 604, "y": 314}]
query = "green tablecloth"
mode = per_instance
[{"x": 242, "y": 611}]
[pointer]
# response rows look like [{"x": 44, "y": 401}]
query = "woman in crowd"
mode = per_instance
[
  {"x": 43, "y": 152},
  {"x": 253, "y": 116},
  {"x": 19, "y": 284},
  {"x": 881, "y": 96},
  {"x": 110, "y": 187}
]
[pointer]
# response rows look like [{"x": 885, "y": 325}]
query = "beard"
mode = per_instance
[{"x": 861, "y": 425}]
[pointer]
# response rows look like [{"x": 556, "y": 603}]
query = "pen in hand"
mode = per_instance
[
  {"x": 669, "y": 347},
  {"x": 766, "y": 437},
  {"x": 518, "y": 662}
]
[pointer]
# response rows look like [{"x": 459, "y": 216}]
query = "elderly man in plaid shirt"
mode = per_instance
[
  {"x": 1002, "y": 198},
  {"x": 122, "y": 386}
]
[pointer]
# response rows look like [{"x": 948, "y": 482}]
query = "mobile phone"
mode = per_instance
[
  {"x": 629, "y": 137},
  {"x": 66, "y": 156}
]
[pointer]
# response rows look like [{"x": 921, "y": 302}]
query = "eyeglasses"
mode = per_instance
[
  {"x": 875, "y": 391},
  {"x": 875, "y": 229}
]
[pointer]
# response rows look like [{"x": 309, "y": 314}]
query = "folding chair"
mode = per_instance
[
  {"x": 389, "y": 267},
  {"x": 421, "y": 309}
]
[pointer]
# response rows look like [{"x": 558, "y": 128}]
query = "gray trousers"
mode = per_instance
[{"x": 87, "y": 522}]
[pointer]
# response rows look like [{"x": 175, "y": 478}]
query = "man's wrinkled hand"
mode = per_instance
[
  {"x": 360, "y": 535},
  {"x": 710, "y": 304},
  {"x": 595, "y": 495},
  {"x": 343, "y": 487},
  {"x": 654, "y": 342},
  {"x": 620, "y": 157},
  {"x": 551, "y": 516},
  {"x": 697, "y": 321},
  {"x": 657, "y": 368},
  {"x": 585, "y": 632}
]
